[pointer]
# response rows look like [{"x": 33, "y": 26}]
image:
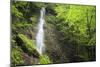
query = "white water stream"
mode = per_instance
[{"x": 40, "y": 34}]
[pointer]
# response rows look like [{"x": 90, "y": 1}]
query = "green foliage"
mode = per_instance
[
  {"x": 77, "y": 24},
  {"x": 62, "y": 11},
  {"x": 26, "y": 40},
  {"x": 29, "y": 44},
  {"x": 16, "y": 56},
  {"x": 92, "y": 41},
  {"x": 16, "y": 12},
  {"x": 39, "y": 4},
  {"x": 22, "y": 24},
  {"x": 44, "y": 59},
  {"x": 74, "y": 19}
]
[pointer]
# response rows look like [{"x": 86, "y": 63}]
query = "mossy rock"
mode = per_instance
[
  {"x": 27, "y": 45},
  {"x": 44, "y": 59}
]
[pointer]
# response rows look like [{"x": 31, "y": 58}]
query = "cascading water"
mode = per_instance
[{"x": 40, "y": 34}]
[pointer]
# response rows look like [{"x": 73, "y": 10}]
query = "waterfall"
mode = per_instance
[{"x": 40, "y": 34}]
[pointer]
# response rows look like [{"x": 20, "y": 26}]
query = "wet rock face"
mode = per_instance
[
  {"x": 53, "y": 45},
  {"x": 27, "y": 59}
]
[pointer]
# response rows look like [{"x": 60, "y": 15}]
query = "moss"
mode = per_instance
[
  {"x": 44, "y": 59},
  {"x": 29, "y": 45}
]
